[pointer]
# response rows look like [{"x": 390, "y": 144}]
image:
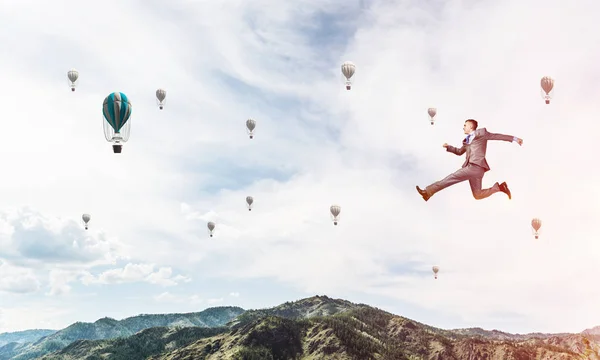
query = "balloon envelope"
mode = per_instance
[
  {"x": 73, "y": 75},
  {"x": 335, "y": 210},
  {"x": 251, "y": 124},
  {"x": 536, "y": 224},
  {"x": 547, "y": 84},
  {"x": 348, "y": 69},
  {"x": 116, "y": 110}
]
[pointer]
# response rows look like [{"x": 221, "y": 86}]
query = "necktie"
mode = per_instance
[{"x": 468, "y": 138}]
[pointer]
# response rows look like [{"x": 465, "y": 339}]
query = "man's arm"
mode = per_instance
[
  {"x": 492, "y": 136},
  {"x": 454, "y": 150}
]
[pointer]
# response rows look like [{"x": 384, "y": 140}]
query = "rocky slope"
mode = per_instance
[{"x": 320, "y": 328}]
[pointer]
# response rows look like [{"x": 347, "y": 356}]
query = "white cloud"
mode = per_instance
[
  {"x": 17, "y": 280},
  {"x": 316, "y": 144},
  {"x": 163, "y": 276},
  {"x": 234, "y": 294}
]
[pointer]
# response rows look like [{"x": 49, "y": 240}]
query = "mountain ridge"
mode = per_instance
[
  {"x": 313, "y": 328},
  {"x": 108, "y": 328}
]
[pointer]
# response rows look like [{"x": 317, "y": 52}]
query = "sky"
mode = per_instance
[{"x": 147, "y": 249}]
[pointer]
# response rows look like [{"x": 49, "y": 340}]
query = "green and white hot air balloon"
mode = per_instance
[{"x": 117, "y": 119}]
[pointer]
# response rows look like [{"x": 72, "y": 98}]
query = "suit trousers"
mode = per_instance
[{"x": 471, "y": 172}]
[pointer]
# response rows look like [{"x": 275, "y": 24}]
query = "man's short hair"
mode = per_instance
[{"x": 473, "y": 123}]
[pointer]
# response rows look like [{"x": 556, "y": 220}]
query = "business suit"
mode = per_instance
[{"x": 475, "y": 165}]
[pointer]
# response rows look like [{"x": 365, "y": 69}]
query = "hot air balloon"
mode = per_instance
[
  {"x": 161, "y": 94},
  {"x": 211, "y": 227},
  {"x": 335, "y": 213},
  {"x": 547, "y": 84},
  {"x": 86, "y": 219},
  {"x": 73, "y": 75},
  {"x": 348, "y": 70},
  {"x": 250, "y": 126},
  {"x": 435, "y": 269},
  {"x": 249, "y": 201},
  {"x": 432, "y": 112},
  {"x": 117, "y": 113},
  {"x": 536, "y": 224}
]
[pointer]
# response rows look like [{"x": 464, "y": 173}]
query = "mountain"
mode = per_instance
[
  {"x": 108, "y": 328},
  {"x": 147, "y": 342},
  {"x": 24, "y": 336},
  {"x": 321, "y": 328}
]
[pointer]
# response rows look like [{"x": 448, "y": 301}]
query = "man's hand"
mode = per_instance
[
  {"x": 446, "y": 145},
  {"x": 520, "y": 142}
]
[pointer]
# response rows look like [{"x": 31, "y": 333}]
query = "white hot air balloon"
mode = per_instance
[
  {"x": 335, "y": 213},
  {"x": 547, "y": 84},
  {"x": 86, "y": 219},
  {"x": 161, "y": 95},
  {"x": 250, "y": 126},
  {"x": 431, "y": 112},
  {"x": 435, "y": 269},
  {"x": 73, "y": 76},
  {"x": 348, "y": 70},
  {"x": 249, "y": 202},
  {"x": 211, "y": 228}
]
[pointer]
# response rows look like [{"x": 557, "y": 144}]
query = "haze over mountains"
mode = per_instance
[{"x": 314, "y": 328}]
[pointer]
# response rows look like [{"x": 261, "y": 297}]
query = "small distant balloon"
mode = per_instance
[
  {"x": 335, "y": 213},
  {"x": 211, "y": 228},
  {"x": 161, "y": 95},
  {"x": 86, "y": 219},
  {"x": 249, "y": 202},
  {"x": 435, "y": 269},
  {"x": 432, "y": 112},
  {"x": 348, "y": 70},
  {"x": 250, "y": 126},
  {"x": 547, "y": 84},
  {"x": 73, "y": 75},
  {"x": 536, "y": 224}
]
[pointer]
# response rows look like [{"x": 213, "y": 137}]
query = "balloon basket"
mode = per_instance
[
  {"x": 335, "y": 223},
  {"x": 537, "y": 237},
  {"x": 251, "y": 137},
  {"x": 547, "y": 101},
  {"x": 348, "y": 87},
  {"x": 117, "y": 149},
  {"x": 72, "y": 89},
  {"x": 160, "y": 107},
  {"x": 249, "y": 209},
  {"x": 211, "y": 235}
]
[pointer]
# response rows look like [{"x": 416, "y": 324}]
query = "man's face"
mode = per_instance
[{"x": 467, "y": 127}]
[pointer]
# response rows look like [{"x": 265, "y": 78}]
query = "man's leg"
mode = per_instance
[
  {"x": 459, "y": 175},
  {"x": 479, "y": 193}
]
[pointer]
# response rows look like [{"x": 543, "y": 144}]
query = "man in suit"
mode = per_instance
[{"x": 475, "y": 165}]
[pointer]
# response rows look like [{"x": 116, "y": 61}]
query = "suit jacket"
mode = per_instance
[{"x": 477, "y": 148}]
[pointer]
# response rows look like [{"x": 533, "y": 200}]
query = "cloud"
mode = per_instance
[
  {"x": 163, "y": 276},
  {"x": 234, "y": 294},
  {"x": 316, "y": 144},
  {"x": 28, "y": 237},
  {"x": 17, "y": 280}
]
